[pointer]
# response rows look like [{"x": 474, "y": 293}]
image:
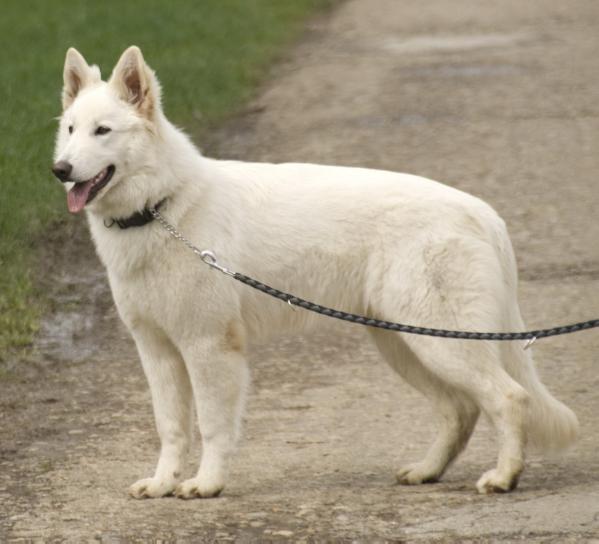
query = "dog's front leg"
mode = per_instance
[
  {"x": 172, "y": 401},
  {"x": 219, "y": 377}
]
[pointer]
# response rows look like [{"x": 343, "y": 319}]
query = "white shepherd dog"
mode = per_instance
[{"x": 392, "y": 246}]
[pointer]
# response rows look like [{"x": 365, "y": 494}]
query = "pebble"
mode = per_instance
[
  {"x": 254, "y": 515},
  {"x": 282, "y": 533}
]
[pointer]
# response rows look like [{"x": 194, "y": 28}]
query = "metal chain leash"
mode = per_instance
[{"x": 209, "y": 258}]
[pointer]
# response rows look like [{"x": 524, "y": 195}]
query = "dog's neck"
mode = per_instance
[{"x": 138, "y": 219}]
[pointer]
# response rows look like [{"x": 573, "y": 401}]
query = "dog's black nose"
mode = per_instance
[{"x": 62, "y": 170}]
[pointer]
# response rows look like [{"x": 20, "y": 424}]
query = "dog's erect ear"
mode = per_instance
[
  {"x": 135, "y": 82},
  {"x": 77, "y": 74}
]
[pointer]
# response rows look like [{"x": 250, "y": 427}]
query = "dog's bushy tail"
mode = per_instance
[{"x": 551, "y": 424}]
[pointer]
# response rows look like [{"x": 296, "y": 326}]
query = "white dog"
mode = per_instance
[{"x": 392, "y": 246}]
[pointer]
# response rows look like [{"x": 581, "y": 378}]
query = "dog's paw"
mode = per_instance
[
  {"x": 493, "y": 482},
  {"x": 198, "y": 488},
  {"x": 416, "y": 473},
  {"x": 151, "y": 488}
]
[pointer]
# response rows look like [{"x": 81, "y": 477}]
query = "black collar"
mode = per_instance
[{"x": 138, "y": 219}]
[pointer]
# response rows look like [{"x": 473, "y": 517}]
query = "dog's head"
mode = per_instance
[{"x": 106, "y": 130}]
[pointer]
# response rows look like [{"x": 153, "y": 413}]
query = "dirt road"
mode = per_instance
[{"x": 496, "y": 98}]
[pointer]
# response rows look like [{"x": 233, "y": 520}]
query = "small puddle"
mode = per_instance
[{"x": 70, "y": 332}]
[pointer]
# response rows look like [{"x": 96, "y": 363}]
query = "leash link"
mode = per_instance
[
  {"x": 530, "y": 342},
  {"x": 206, "y": 255}
]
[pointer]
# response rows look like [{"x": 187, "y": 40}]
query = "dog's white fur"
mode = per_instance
[{"x": 394, "y": 246}]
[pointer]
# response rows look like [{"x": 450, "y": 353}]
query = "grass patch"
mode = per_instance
[{"x": 208, "y": 55}]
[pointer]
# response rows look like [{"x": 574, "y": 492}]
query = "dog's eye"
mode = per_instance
[
  {"x": 70, "y": 129},
  {"x": 102, "y": 130}
]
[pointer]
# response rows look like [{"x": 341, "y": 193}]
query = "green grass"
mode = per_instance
[{"x": 209, "y": 56}]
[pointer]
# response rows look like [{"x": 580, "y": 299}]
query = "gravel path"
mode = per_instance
[{"x": 496, "y": 98}]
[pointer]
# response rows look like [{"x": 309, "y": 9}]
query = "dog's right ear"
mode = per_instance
[{"x": 77, "y": 74}]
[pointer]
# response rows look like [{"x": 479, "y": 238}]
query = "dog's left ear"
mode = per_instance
[{"x": 135, "y": 82}]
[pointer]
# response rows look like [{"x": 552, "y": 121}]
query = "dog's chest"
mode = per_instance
[{"x": 143, "y": 295}]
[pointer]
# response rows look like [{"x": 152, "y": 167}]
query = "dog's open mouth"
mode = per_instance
[{"x": 84, "y": 191}]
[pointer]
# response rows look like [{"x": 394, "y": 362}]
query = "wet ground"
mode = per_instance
[{"x": 499, "y": 99}]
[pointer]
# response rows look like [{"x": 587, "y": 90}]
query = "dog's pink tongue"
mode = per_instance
[{"x": 77, "y": 196}]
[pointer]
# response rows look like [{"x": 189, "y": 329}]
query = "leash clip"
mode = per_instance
[
  {"x": 530, "y": 342},
  {"x": 210, "y": 259}
]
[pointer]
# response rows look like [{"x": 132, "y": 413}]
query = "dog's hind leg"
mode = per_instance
[
  {"x": 219, "y": 377},
  {"x": 456, "y": 412},
  {"x": 457, "y": 420},
  {"x": 173, "y": 410},
  {"x": 475, "y": 369}
]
